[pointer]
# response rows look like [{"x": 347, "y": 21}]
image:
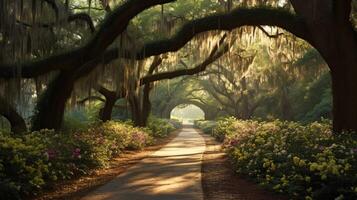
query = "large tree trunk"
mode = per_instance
[
  {"x": 136, "y": 110},
  {"x": 146, "y": 106},
  {"x": 338, "y": 46},
  {"x": 333, "y": 35},
  {"x": 51, "y": 105},
  {"x": 344, "y": 91},
  {"x": 140, "y": 106},
  {"x": 106, "y": 111},
  {"x": 17, "y": 123}
]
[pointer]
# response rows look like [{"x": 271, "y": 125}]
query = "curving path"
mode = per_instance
[{"x": 173, "y": 172}]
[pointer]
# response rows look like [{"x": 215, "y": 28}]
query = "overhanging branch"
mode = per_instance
[
  {"x": 235, "y": 19},
  {"x": 113, "y": 26},
  {"x": 214, "y": 55}
]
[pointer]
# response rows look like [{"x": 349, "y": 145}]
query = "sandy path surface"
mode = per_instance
[{"x": 173, "y": 172}]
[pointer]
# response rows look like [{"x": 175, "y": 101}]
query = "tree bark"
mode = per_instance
[
  {"x": 51, "y": 106},
  {"x": 17, "y": 123},
  {"x": 113, "y": 26},
  {"x": 344, "y": 92},
  {"x": 106, "y": 111},
  {"x": 146, "y": 106},
  {"x": 136, "y": 110}
]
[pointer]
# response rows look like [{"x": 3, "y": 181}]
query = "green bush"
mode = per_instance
[
  {"x": 224, "y": 128},
  {"x": 206, "y": 126},
  {"x": 23, "y": 166},
  {"x": 306, "y": 162},
  {"x": 30, "y": 162},
  {"x": 160, "y": 127},
  {"x": 175, "y": 122}
]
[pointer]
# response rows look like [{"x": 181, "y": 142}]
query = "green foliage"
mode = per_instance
[
  {"x": 79, "y": 119},
  {"x": 224, "y": 128},
  {"x": 160, "y": 127},
  {"x": 306, "y": 162},
  {"x": 176, "y": 123},
  {"x": 38, "y": 159},
  {"x": 205, "y": 125},
  {"x": 22, "y": 166}
]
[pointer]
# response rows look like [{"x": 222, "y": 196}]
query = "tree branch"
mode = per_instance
[
  {"x": 214, "y": 55},
  {"x": 235, "y": 19},
  {"x": 90, "y": 98},
  {"x": 114, "y": 25},
  {"x": 269, "y": 35}
]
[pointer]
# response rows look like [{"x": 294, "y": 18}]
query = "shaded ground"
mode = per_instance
[
  {"x": 172, "y": 173},
  {"x": 76, "y": 189},
  {"x": 220, "y": 182}
]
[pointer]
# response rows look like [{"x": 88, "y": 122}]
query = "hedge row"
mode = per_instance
[
  {"x": 37, "y": 160},
  {"x": 303, "y": 161}
]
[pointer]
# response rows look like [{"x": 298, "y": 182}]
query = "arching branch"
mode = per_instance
[
  {"x": 235, "y": 19},
  {"x": 214, "y": 55},
  {"x": 113, "y": 26}
]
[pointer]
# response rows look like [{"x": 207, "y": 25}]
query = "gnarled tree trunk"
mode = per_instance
[
  {"x": 17, "y": 123},
  {"x": 105, "y": 113},
  {"x": 52, "y": 103}
]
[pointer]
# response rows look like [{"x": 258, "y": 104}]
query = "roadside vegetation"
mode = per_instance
[
  {"x": 32, "y": 162},
  {"x": 304, "y": 161}
]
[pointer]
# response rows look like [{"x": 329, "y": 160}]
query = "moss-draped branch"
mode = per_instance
[
  {"x": 113, "y": 26},
  {"x": 235, "y": 19},
  {"x": 116, "y": 23},
  {"x": 229, "y": 21},
  {"x": 216, "y": 53}
]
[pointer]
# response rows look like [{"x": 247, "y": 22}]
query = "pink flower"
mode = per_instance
[
  {"x": 76, "y": 153},
  {"x": 51, "y": 154}
]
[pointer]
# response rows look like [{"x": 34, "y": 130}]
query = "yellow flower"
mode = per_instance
[
  {"x": 273, "y": 167},
  {"x": 296, "y": 160},
  {"x": 302, "y": 163},
  {"x": 313, "y": 167},
  {"x": 308, "y": 198}
]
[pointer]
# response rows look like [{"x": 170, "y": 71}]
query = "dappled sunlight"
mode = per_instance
[
  {"x": 85, "y": 83},
  {"x": 173, "y": 172}
]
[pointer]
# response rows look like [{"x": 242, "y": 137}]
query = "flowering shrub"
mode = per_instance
[
  {"x": 306, "y": 162},
  {"x": 30, "y": 162},
  {"x": 22, "y": 166}
]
